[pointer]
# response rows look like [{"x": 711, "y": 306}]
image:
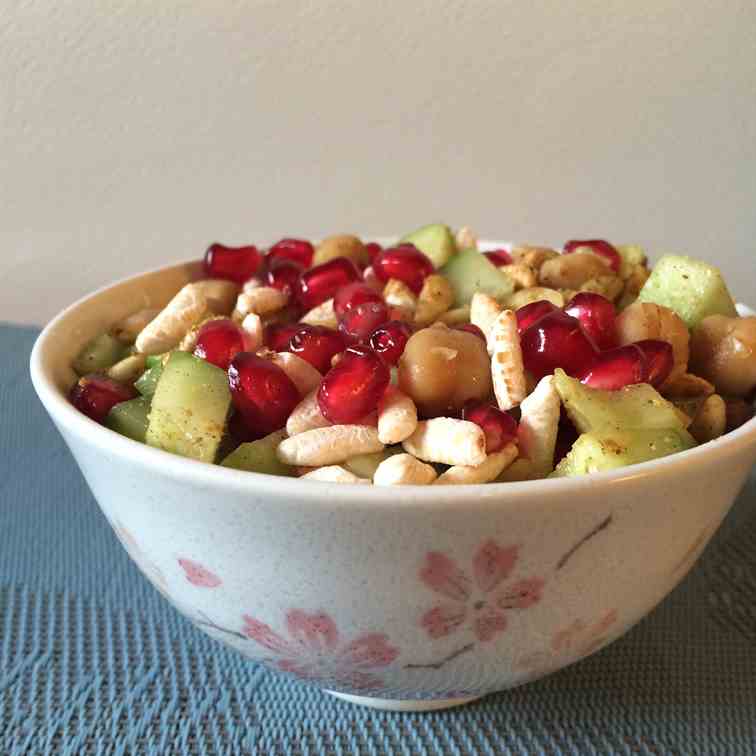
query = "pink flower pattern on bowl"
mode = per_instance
[
  {"x": 568, "y": 645},
  {"x": 198, "y": 575},
  {"x": 480, "y": 602},
  {"x": 315, "y": 650}
]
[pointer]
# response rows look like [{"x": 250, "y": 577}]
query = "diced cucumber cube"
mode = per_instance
[
  {"x": 365, "y": 465},
  {"x": 693, "y": 289},
  {"x": 609, "y": 449},
  {"x": 470, "y": 271},
  {"x": 147, "y": 382},
  {"x": 99, "y": 354},
  {"x": 130, "y": 418},
  {"x": 639, "y": 406},
  {"x": 259, "y": 456},
  {"x": 189, "y": 408},
  {"x": 436, "y": 241}
]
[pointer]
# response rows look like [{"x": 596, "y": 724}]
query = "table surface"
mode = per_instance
[{"x": 94, "y": 661}]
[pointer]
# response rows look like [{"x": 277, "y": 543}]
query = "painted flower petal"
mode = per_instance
[
  {"x": 262, "y": 634},
  {"x": 198, "y": 575},
  {"x": 441, "y": 574},
  {"x": 297, "y": 668},
  {"x": 369, "y": 651},
  {"x": 605, "y": 622},
  {"x": 317, "y": 631},
  {"x": 488, "y": 626},
  {"x": 442, "y": 620},
  {"x": 562, "y": 639},
  {"x": 492, "y": 564},
  {"x": 521, "y": 595}
]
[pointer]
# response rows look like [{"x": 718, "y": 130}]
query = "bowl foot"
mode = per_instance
[{"x": 390, "y": 704}]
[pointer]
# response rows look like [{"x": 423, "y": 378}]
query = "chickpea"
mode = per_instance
[
  {"x": 343, "y": 245},
  {"x": 442, "y": 368},
  {"x": 723, "y": 350},
  {"x": 572, "y": 271},
  {"x": 645, "y": 320}
]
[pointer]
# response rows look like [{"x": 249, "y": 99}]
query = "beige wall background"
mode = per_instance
[{"x": 135, "y": 132}]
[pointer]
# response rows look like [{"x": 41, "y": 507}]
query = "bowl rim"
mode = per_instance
[{"x": 329, "y": 494}]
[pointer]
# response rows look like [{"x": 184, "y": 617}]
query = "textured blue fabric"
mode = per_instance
[{"x": 94, "y": 661}]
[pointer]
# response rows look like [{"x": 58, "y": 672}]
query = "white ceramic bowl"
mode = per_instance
[{"x": 411, "y": 598}]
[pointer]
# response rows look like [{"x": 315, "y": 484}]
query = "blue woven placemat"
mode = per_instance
[{"x": 94, "y": 661}]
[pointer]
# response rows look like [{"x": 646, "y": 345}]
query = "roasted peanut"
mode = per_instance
[
  {"x": 636, "y": 277},
  {"x": 723, "y": 350},
  {"x": 532, "y": 256},
  {"x": 608, "y": 286},
  {"x": 521, "y": 275},
  {"x": 644, "y": 320},
  {"x": 342, "y": 245},
  {"x": 219, "y": 293},
  {"x": 442, "y": 368},
  {"x": 466, "y": 238},
  {"x": 534, "y": 294},
  {"x": 571, "y": 271},
  {"x": 711, "y": 420},
  {"x": 435, "y": 298}
]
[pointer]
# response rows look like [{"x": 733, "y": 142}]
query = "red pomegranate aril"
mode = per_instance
[
  {"x": 219, "y": 341},
  {"x": 261, "y": 392},
  {"x": 283, "y": 275},
  {"x": 278, "y": 335},
  {"x": 531, "y": 313},
  {"x": 323, "y": 281},
  {"x": 598, "y": 247},
  {"x": 405, "y": 263},
  {"x": 388, "y": 340},
  {"x": 233, "y": 263},
  {"x": 499, "y": 427},
  {"x": 299, "y": 251},
  {"x": 95, "y": 395},
  {"x": 660, "y": 359},
  {"x": 316, "y": 344},
  {"x": 471, "y": 328},
  {"x": 557, "y": 340},
  {"x": 617, "y": 368},
  {"x": 352, "y": 295},
  {"x": 353, "y": 387},
  {"x": 596, "y": 314},
  {"x": 359, "y": 322},
  {"x": 373, "y": 248},
  {"x": 499, "y": 257}
]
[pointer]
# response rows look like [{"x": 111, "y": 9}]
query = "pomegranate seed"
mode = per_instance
[
  {"x": 373, "y": 248},
  {"x": 233, "y": 263},
  {"x": 557, "y": 340},
  {"x": 283, "y": 275},
  {"x": 599, "y": 247},
  {"x": 617, "y": 368},
  {"x": 388, "y": 340},
  {"x": 95, "y": 395},
  {"x": 499, "y": 427},
  {"x": 317, "y": 345},
  {"x": 406, "y": 263},
  {"x": 278, "y": 335},
  {"x": 352, "y": 295},
  {"x": 531, "y": 313},
  {"x": 323, "y": 281},
  {"x": 352, "y": 388},
  {"x": 357, "y": 324},
  {"x": 499, "y": 257},
  {"x": 219, "y": 341},
  {"x": 660, "y": 360},
  {"x": 263, "y": 394},
  {"x": 299, "y": 251},
  {"x": 596, "y": 314},
  {"x": 473, "y": 329}
]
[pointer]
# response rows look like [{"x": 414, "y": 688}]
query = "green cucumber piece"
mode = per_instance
[
  {"x": 693, "y": 289},
  {"x": 609, "y": 449},
  {"x": 130, "y": 418},
  {"x": 154, "y": 359},
  {"x": 365, "y": 465},
  {"x": 436, "y": 241},
  {"x": 147, "y": 382},
  {"x": 639, "y": 406},
  {"x": 470, "y": 271},
  {"x": 259, "y": 456},
  {"x": 189, "y": 408},
  {"x": 99, "y": 354}
]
